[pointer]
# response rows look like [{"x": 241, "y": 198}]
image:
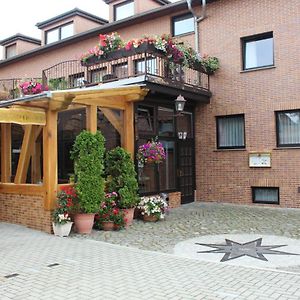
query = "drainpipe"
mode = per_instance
[{"x": 197, "y": 20}]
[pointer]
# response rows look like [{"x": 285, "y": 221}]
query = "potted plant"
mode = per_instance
[
  {"x": 87, "y": 153},
  {"x": 151, "y": 152},
  {"x": 32, "y": 87},
  {"x": 121, "y": 178},
  {"x": 61, "y": 215},
  {"x": 153, "y": 208}
]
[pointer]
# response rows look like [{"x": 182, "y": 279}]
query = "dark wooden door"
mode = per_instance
[{"x": 186, "y": 170}]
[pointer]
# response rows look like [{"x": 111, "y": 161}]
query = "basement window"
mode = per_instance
[{"x": 267, "y": 195}]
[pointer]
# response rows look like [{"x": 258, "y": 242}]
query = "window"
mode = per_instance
[
  {"x": 183, "y": 24},
  {"x": 145, "y": 119},
  {"x": 59, "y": 33},
  {"x": 120, "y": 70},
  {"x": 269, "y": 195},
  {"x": 165, "y": 119},
  {"x": 231, "y": 132},
  {"x": 258, "y": 51},
  {"x": 76, "y": 80},
  {"x": 97, "y": 74},
  {"x": 151, "y": 66},
  {"x": 10, "y": 51},
  {"x": 123, "y": 10},
  {"x": 288, "y": 128}
]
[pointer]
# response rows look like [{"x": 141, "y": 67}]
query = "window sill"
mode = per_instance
[
  {"x": 287, "y": 148},
  {"x": 222, "y": 150},
  {"x": 258, "y": 69},
  {"x": 184, "y": 34}
]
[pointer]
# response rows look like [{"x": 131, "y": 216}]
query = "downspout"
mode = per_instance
[{"x": 197, "y": 20}]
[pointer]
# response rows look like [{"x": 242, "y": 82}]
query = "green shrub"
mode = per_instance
[
  {"x": 121, "y": 177},
  {"x": 88, "y": 155}
]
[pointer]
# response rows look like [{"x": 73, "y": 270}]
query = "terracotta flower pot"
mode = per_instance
[
  {"x": 84, "y": 223},
  {"x": 128, "y": 216},
  {"x": 108, "y": 225},
  {"x": 62, "y": 229},
  {"x": 151, "y": 218}
]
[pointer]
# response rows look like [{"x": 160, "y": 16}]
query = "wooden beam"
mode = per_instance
[
  {"x": 25, "y": 154},
  {"x": 23, "y": 189},
  {"x": 115, "y": 119},
  {"x": 91, "y": 118},
  {"x": 128, "y": 141},
  {"x": 108, "y": 102},
  {"x": 36, "y": 152},
  {"x": 61, "y": 102},
  {"x": 50, "y": 159},
  {"x": 5, "y": 153}
]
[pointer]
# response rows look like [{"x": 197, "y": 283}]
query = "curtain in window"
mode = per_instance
[
  {"x": 231, "y": 131},
  {"x": 289, "y": 128},
  {"x": 266, "y": 195}
]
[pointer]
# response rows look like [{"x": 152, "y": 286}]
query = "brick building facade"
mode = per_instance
[{"x": 252, "y": 99}]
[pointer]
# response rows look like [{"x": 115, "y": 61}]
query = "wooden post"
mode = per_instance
[
  {"x": 36, "y": 175},
  {"x": 50, "y": 159},
  {"x": 91, "y": 118},
  {"x": 129, "y": 128},
  {"x": 5, "y": 153}
]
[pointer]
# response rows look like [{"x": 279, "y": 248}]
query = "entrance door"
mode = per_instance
[{"x": 186, "y": 170}]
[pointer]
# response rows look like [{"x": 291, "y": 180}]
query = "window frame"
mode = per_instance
[
  {"x": 262, "y": 201},
  {"x": 180, "y": 18},
  {"x": 277, "y": 129},
  {"x": 120, "y": 5},
  {"x": 217, "y": 125},
  {"x": 6, "y": 48},
  {"x": 253, "y": 38},
  {"x": 59, "y": 32}
]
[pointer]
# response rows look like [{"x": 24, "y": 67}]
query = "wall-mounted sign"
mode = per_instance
[{"x": 260, "y": 160}]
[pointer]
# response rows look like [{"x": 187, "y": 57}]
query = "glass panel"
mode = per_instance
[
  {"x": 124, "y": 10},
  {"x": 231, "y": 132},
  {"x": 66, "y": 31},
  {"x": 269, "y": 195},
  {"x": 11, "y": 50},
  {"x": 165, "y": 121},
  {"x": 17, "y": 134},
  {"x": 151, "y": 66},
  {"x": 183, "y": 25},
  {"x": 52, "y": 36},
  {"x": 289, "y": 128},
  {"x": 185, "y": 124},
  {"x": 147, "y": 176},
  {"x": 121, "y": 70},
  {"x": 98, "y": 74},
  {"x": 167, "y": 169},
  {"x": 145, "y": 119},
  {"x": 76, "y": 80},
  {"x": 259, "y": 53},
  {"x": 70, "y": 124},
  {"x": 112, "y": 136}
]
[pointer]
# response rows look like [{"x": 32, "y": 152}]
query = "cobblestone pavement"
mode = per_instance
[
  {"x": 198, "y": 219},
  {"x": 38, "y": 266}
]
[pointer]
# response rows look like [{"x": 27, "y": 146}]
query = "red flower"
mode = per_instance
[{"x": 115, "y": 211}]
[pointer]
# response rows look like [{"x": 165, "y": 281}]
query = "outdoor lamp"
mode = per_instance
[{"x": 179, "y": 104}]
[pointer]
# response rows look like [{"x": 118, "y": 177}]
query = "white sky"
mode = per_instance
[{"x": 20, "y": 17}]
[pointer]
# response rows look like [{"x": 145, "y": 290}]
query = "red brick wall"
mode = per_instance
[
  {"x": 225, "y": 175},
  {"x": 27, "y": 210}
]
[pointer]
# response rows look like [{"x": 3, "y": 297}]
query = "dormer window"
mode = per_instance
[
  {"x": 123, "y": 10},
  {"x": 10, "y": 51},
  {"x": 59, "y": 33}
]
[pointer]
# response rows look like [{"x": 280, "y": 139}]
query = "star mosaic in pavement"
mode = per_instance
[{"x": 253, "y": 249}]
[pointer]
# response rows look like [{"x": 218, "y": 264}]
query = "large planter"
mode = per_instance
[
  {"x": 108, "y": 225},
  {"x": 128, "y": 216},
  {"x": 62, "y": 229},
  {"x": 84, "y": 223},
  {"x": 150, "y": 218}
]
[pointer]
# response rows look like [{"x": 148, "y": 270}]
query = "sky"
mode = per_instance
[{"x": 20, "y": 17}]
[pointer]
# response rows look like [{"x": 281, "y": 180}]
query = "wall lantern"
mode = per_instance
[{"x": 179, "y": 104}]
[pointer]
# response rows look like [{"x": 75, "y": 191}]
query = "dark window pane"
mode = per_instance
[
  {"x": 184, "y": 24},
  {"x": 288, "y": 124},
  {"x": 145, "y": 119},
  {"x": 266, "y": 195},
  {"x": 167, "y": 172},
  {"x": 259, "y": 52},
  {"x": 123, "y": 11},
  {"x": 120, "y": 70},
  {"x": 17, "y": 134},
  {"x": 70, "y": 124},
  {"x": 97, "y": 75},
  {"x": 231, "y": 132},
  {"x": 112, "y": 136},
  {"x": 185, "y": 124},
  {"x": 165, "y": 121}
]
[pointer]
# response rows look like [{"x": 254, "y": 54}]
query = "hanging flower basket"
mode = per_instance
[{"x": 151, "y": 152}]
